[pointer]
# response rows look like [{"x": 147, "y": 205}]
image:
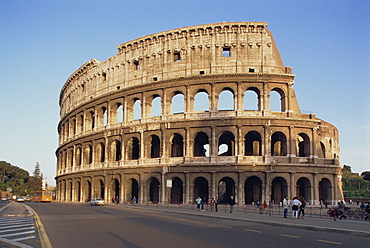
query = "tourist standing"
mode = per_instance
[
  {"x": 285, "y": 206},
  {"x": 295, "y": 206},
  {"x": 134, "y": 200},
  {"x": 199, "y": 202},
  {"x": 232, "y": 203}
]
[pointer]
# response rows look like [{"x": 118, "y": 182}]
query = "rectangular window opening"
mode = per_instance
[
  {"x": 226, "y": 52},
  {"x": 177, "y": 57},
  {"x": 201, "y": 72},
  {"x": 137, "y": 66},
  {"x": 251, "y": 70}
]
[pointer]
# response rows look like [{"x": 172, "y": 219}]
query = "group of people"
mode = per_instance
[
  {"x": 214, "y": 203},
  {"x": 298, "y": 207}
]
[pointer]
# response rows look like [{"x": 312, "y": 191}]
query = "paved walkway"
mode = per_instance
[
  {"x": 345, "y": 226},
  {"x": 14, "y": 209}
]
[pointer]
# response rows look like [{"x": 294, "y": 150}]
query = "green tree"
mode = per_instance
[{"x": 366, "y": 175}]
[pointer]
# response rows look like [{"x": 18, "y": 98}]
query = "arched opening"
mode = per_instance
[
  {"x": 226, "y": 144},
  {"x": 226, "y": 100},
  {"x": 101, "y": 189},
  {"x": 78, "y": 193},
  {"x": 92, "y": 119},
  {"x": 78, "y": 157},
  {"x": 253, "y": 190},
  {"x": 277, "y": 100},
  {"x": 201, "y": 101},
  {"x": 201, "y": 188},
  {"x": 251, "y": 99},
  {"x": 322, "y": 150},
  {"x": 325, "y": 190},
  {"x": 279, "y": 189},
  {"x": 177, "y": 146},
  {"x": 303, "y": 145},
  {"x": 137, "y": 109},
  {"x": 105, "y": 116},
  {"x": 154, "y": 190},
  {"x": 119, "y": 113},
  {"x": 226, "y": 188},
  {"x": 156, "y": 106},
  {"x": 134, "y": 189},
  {"x": 252, "y": 144},
  {"x": 201, "y": 145},
  {"x": 303, "y": 188},
  {"x": 278, "y": 144},
  {"x": 155, "y": 147},
  {"x": 178, "y": 103},
  {"x": 116, "y": 150},
  {"x": 177, "y": 191},
  {"x": 116, "y": 190},
  {"x": 133, "y": 148},
  {"x": 88, "y": 191},
  {"x": 100, "y": 152},
  {"x": 70, "y": 191}
]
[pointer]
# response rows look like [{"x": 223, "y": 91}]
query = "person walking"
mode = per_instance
[
  {"x": 134, "y": 200},
  {"x": 295, "y": 206},
  {"x": 217, "y": 201},
  {"x": 232, "y": 203},
  {"x": 199, "y": 202},
  {"x": 301, "y": 209},
  {"x": 285, "y": 206},
  {"x": 212, "y": 204}
]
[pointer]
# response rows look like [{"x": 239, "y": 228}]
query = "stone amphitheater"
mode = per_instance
[{"x": 205, "y": 110}]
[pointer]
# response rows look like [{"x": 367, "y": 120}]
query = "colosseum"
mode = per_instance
[{"x": 205, "y": 110}]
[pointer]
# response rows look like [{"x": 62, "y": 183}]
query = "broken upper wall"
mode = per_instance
[{"x": 228, "y": 48}]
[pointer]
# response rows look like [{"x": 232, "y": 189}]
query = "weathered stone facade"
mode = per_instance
[{"x": 132, "y": 124}]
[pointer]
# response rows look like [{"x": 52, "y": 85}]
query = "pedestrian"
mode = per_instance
[
  {"x": 199, "y": 202},
  {"x": 367, "y": 209},
  {"x": 232, "y": 203},
  {"x": 217, "y": 201},
  {"x": 285, "y": 206},
  {"x": 301, "y": 208},
  {"x": 134, "y": 200},
  {"x": 117, "y": 199},
  {"x": 212, "y": 204},
  {"x": 342, "y": 210},
  {"x": 295, "y": 206}
]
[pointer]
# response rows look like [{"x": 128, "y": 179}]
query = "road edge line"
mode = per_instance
[{"x": 44, "y": 239}]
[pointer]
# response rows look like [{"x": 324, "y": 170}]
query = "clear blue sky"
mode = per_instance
[{"x": 43, "y": 42}]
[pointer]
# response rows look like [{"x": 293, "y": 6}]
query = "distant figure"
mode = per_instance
[
  {"x": 217, "y": 201},
  {"x": 134, "y": 201},
  {"x": 232, "y": 203},
  {"x": 117, "y": 199},
  {"x": 212, "y": 204},
  {"x": 295, "y": 206},
  {"x": 285, "y": 206},
  {"x": 301, "y": 208},
  {"x": 199, "y": 202}
]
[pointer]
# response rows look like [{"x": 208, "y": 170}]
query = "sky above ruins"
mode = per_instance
[{"x": 43, "y": 42}]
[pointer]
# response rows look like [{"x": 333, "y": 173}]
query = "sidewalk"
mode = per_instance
[
  {"x": 10, "y": 210},
  {"x": 344, "y": 226}
]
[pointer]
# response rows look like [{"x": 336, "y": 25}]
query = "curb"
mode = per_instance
[{"x": 264, "y": 222}]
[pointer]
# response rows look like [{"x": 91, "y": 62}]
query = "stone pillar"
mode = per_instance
[
  {"x": 213, "y": 184},
  {"x": 188, "y": 194},
  {"x": 291, "y": 143},
  {"x": 316, "y": 193},
  {"x": 239, "y": 194},
  {"x": 292, "y": 185}
]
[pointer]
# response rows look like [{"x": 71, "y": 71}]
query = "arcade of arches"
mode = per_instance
[{"x": 186, "y": 187}]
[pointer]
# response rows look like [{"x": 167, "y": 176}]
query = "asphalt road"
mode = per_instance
[{"x": 82, "y": 225}]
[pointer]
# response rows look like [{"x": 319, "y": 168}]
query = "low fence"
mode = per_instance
[{"x": 309, "y": 211}]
